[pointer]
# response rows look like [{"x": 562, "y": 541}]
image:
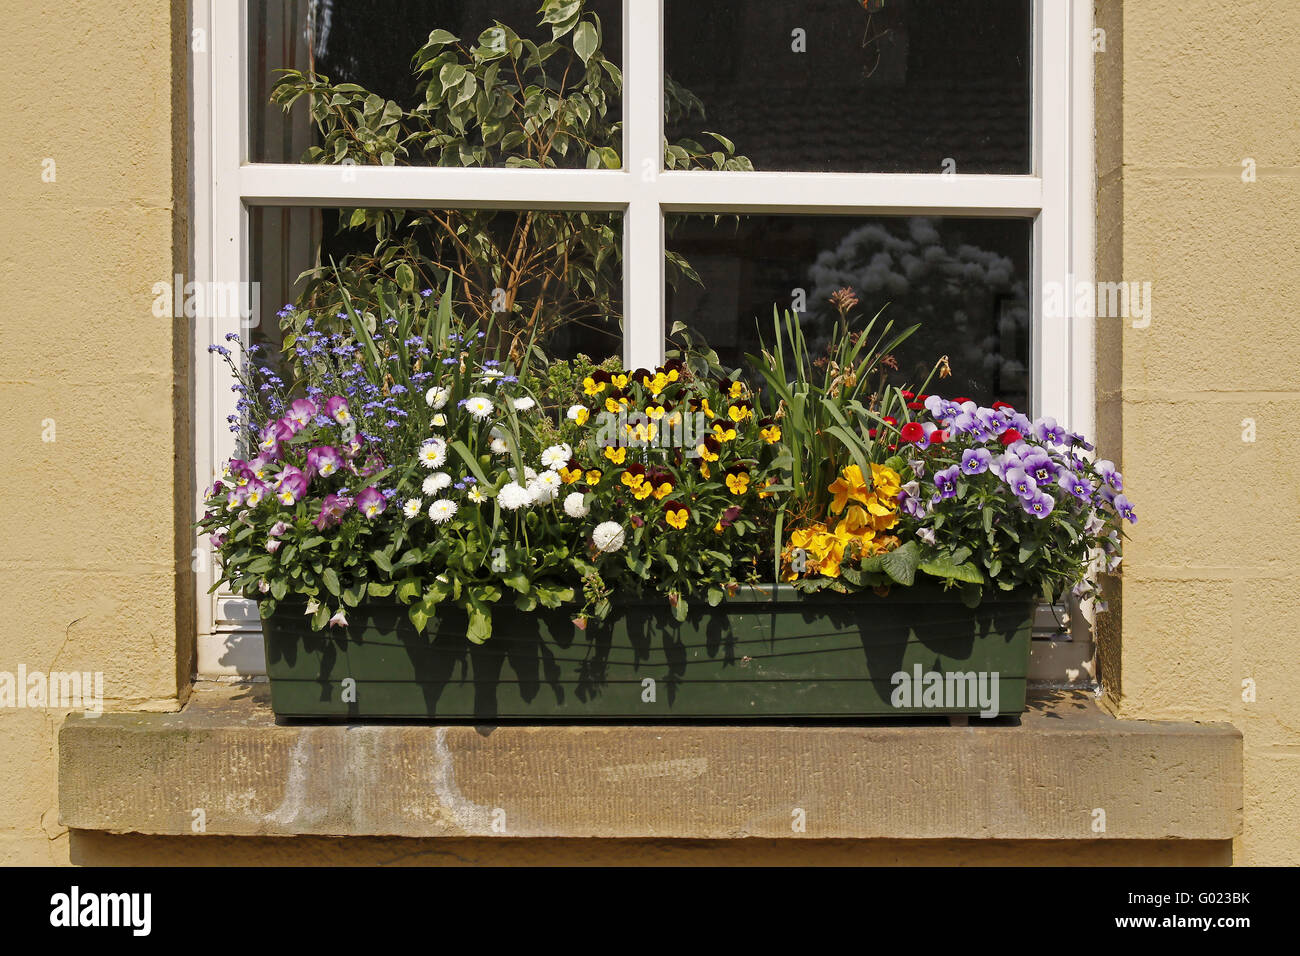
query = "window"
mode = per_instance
[{"x": 941, "y": 151}]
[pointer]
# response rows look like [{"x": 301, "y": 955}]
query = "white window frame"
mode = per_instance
[{"x": 1058, "y": 193}]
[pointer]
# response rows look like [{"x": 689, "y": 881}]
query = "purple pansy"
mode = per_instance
[
  {"x": 332, "y": 510},
  {"x": 1024, "y": 486},
  {"x": 371, "y": 502},
  {"x": 976, "y": 461},
  {"x": 323, "y": 460},
  {"x": 945, "y": 482},
  {"x": 1040, "y": 505}
]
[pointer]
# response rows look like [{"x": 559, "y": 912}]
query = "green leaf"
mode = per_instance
[
  {"x": 715, "y": 596},
  {"x": 381, "y": 561},
  {"x": 405, "y": 278},
  {"x": 419, "y": 616},
  {"x": 408, "y": 589},
  {"x": 331, "y": 579},
  {"x": 609, "y": 157},
  {"x": 901, "y": 563},
  {"x": 943, "y": 567},
  {"x": 585, "y": 40},
  {"x": 441, "y": 38},
  {"x": 379, "y": 590}
]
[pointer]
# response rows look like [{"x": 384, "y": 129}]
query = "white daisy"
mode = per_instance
[
  {"x": 546, "y": 486},
  {"x": 436, "y": 482},
  {"x": 432, "y": 453},
  {"x": 437, "y": 397},
  {"x": 476, "y": 495},
  {"x": 442, "y": 510},
  {"x": 523, "y": 404},
  {"x": 529, "y": 474},
  {"x": 491, "y": 374},
  {"x": 514, "y": 496},
  {"x": 575, "y": 505},
  {"x": 499, "y": 446},
  {"x": 439, "y": 420},
  {"x": 556, "y": 456},
  {"x": 608, "y": 537},
  {"x": 480, "y": 406},
  {"x": 575, "y": 412},
  {"x": 411, "y": 507}
]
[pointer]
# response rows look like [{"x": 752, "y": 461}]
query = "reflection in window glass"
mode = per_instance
[
  {"x": 551, "y": 271},
  {"x": 888, "y": 86},
  {"x": 965, "y": 281},
  {"x": 371, "y": 43}
]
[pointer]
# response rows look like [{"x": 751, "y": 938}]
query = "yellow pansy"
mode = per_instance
[
  {"x": 738, "y": 483},
  {"x": 676, "y": 517},
  {"x": 663, "y": 491},
  {"x": 723, "y": 434},
  {"x": 771, "y": 434},
  {"x": 594, "y": 475},
  {"x": 616, "y": 455}
]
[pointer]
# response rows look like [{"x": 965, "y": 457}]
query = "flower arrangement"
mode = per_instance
[{"x": 412, "y": 460}]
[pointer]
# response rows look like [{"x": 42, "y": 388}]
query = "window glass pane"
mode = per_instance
[
  {"x": 966, "y": 281},
  {"x": 552, "y": 292},
  {"x": 889, "y": 86},
  {"x": 371, "y": 43}
]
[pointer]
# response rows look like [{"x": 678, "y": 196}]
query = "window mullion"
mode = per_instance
[{"x": 643, "y": 234}]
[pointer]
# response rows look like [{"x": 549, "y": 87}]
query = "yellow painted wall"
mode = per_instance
[
  {"x": 94, "y": 556},
  {"x": 1187, "y": 92},
  {"x": 89, "y": 525}
]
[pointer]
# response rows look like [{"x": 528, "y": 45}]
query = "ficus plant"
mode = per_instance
[{"x": 500, "y": 100}]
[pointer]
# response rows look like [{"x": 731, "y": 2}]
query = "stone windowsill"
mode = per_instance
[{"x": 224, "y": 754}]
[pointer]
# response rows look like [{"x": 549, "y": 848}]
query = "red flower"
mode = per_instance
[
  {"x": 915, "y": 406},
  {"x": 889, "y": 420},
  {"x": 912, "y": 432},
  {"x": 906, "y": 394},
  {"x": 998, "y": 405},
  {"x": 1010, "y": 437},
  {"x": 961, "y": 401},
  {"x": 871, "y": 433}
]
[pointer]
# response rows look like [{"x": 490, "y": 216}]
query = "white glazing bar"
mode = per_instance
[
  {"x": 1083, "y": 217},
  {"x": 268, "y": 184},
  {"x": 643, "y": 233},
  {"x": 433, "y": 187},
  {"x": 229, "y": 236},
  {"x": 1053, "y": 284},
  {"x": 842, "y": 193}
]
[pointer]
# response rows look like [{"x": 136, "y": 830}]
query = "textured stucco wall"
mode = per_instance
[
  {"x": 1211, "y": 575},
  {"x": 89, "y": 528},
  {"x": 93, "y": 562}
]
